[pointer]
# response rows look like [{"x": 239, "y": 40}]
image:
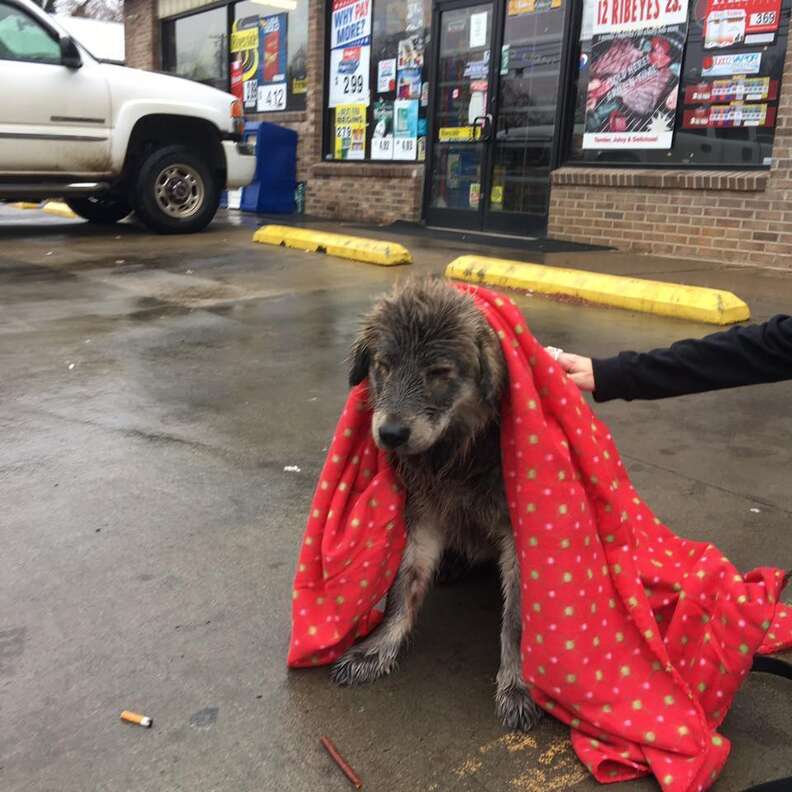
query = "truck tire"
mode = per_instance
[
  {"x": 175, "y": 192},
  {"x": 103, "y": 210}
]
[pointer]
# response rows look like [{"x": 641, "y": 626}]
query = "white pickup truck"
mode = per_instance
[{"x": 107, "y": 139}]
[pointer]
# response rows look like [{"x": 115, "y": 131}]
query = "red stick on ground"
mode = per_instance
[{"x": 341, "y": 762}]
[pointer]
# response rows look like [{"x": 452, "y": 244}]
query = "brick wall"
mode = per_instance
[
  {"x": 141, "y": 34},
  {"x": 742, "y": 217},
  {"x": 367, "y": 193}
]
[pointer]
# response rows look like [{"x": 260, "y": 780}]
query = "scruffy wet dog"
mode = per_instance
[{"x": 436, "y": 375}]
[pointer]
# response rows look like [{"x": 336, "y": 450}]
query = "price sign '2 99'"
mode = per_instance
[
  {"x": 349, "y": 75},
  {"x": 271, "y": 97}
]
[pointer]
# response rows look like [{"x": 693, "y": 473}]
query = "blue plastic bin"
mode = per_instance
[{"x": 273, "y": 186}]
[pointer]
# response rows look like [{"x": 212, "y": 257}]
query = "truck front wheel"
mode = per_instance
[
  {"x": 175, "y": 192},
  {"x": 99, "y": 209}
]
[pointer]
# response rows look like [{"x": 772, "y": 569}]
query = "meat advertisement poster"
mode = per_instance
[{"x": 636, "y": 58}]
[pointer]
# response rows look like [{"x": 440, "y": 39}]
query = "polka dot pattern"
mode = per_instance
[{"x": 635, "y": 637}]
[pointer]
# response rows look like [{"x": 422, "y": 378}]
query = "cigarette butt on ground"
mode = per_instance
[
  {"x": 134, "y": 717},
  {"x": 342, "y": 763}
]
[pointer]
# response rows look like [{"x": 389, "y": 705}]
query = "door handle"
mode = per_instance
[{"x": 484, "y": 123}]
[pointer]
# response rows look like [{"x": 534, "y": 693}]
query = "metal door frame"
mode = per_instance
[
  {"x": 461, "y": 218},
  {"x": 565, "y": 108}
]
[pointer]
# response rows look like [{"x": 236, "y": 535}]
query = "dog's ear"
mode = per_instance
[
  {"x": 491, "y": 368},
  {"x": 360, "y": 357}
]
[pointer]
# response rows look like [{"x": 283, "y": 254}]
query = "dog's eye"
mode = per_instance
[{"x": 440, "y": 372}]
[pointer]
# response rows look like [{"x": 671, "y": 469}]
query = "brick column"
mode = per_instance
[
  {"x": 316, "y": 60},
  {"x": 141, "y": 34}
]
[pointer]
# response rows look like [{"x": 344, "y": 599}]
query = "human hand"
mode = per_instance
[{"x": 579, "y": 369}]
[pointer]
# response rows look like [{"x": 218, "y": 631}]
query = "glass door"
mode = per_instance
[
  {"x": 496, "y": 96},
  {"x": 529, "y": 94},
  {"x": 458, "y": 174}
]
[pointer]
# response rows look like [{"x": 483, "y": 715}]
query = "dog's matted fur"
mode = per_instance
[{"x": 436, "y": 375}]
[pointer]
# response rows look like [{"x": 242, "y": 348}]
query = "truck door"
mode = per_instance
[{"x": 54, "y": 119}]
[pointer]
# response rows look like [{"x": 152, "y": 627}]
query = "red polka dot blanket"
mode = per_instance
[{"x": 636, "y": 638}]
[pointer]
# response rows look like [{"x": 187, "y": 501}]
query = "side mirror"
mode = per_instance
[{"x": 70, "y": 54}]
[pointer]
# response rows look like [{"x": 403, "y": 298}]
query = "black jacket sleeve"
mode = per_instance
[{"x": 745, "y": 355}]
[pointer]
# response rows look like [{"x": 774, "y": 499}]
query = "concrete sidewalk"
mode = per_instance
[{"x": 154, "y": 389}]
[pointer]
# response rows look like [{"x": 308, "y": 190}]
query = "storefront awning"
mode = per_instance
[{"x": 169, "y": 8}]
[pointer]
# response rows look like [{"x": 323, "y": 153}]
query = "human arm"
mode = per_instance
[{"x": 744, "y": 355}]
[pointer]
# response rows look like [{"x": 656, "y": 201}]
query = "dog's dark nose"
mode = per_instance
[{"x": 393, "y": 434}]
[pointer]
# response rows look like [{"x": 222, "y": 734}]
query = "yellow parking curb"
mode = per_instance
[
  {"x": 696, "y": 303},
  {"x": 24, "y": 205},
  {"x": 59, "y": 209},
  {"x": 372, "y": 251}
]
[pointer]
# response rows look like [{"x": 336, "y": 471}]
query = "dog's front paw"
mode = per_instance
[
  {"x": 359, "y": 666},
  {"x": 516, "y": 709}
]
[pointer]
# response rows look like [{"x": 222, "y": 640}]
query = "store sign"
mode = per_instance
[
  {"x": 409, "y": 85},
  {"x": 271, "y": 98},
  {"x": 273, "y": 42},
  {"x": 624, "y": 17},
  {"x": 636, "y": 58},
  {"x": 405, "y": 129},
  {"x": 350, "y": 57},
  {"x": 519, "y": 7},
  {"x": 734, "y": 89},
  {"x": 411, "y": 53},
  {"x": 386, "y": 75},
  {"x": 349, "y": 75},
  {"x": 382, "y": 139},
  {"x": 245, "y": 60},
  {"x": 382, "y": 148},
  {"x": 730, "y": 22},
  {"x": 350, "y": 132},
  {"x": 725, "y": 65},
  {"x": 735, "y": 114},
  {"x": 460, "y": 134},
  {"x": 350, "y": 22},
  {"x": 273, "y": 60}
]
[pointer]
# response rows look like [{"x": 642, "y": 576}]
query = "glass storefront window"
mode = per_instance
[
  {"x": 255, "y": 50},
  {"x": 723, "y": 111},
  {"x": 269, "y": 43},
  {"x": 377, "y": 68},
  {"x": 529, "y": 95},
  {"x": 196, "y": 47}
]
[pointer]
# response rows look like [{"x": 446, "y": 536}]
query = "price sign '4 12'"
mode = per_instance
[{"x": 271, "y": 97}]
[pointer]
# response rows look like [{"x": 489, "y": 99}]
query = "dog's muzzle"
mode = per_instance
[{"x": 393, "y": 434}]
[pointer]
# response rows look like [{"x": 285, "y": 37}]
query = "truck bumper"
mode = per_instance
[{"x": 240, "y": 164}]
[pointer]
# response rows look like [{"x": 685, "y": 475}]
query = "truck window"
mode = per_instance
[{"x": 23, "y": 39}]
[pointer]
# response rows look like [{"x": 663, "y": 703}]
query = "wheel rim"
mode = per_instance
[{"x": 179, "y": 191}]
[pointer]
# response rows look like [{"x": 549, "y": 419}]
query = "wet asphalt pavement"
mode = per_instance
[{"x": 153, "y": 389}]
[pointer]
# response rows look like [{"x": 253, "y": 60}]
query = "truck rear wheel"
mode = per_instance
[
  {"x": 175, "y": 192},
  {"x": 100, "y": 209}
]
